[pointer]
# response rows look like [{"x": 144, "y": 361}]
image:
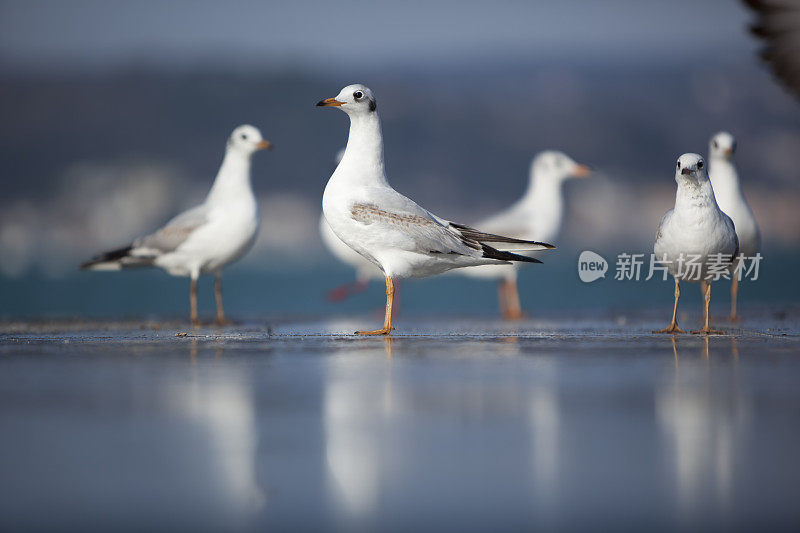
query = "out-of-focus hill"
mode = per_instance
[{"x": 89, "y": 160}]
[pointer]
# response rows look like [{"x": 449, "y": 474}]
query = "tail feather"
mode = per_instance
[
  {"x": 493, "y": 253},
  {"x": 506, "y": 243},
  {"x": 111, "y": 260}
]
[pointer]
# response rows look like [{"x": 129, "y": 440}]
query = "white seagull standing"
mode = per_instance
[
  {"x": 206, "y": 238},
  {"x": 694, "y": 231},
  {"x": 366, "y": 271},
  {"x": 731, "y": 200},
  {"x": 393, "y": 232},
  {"x": 539, "y": 212}
]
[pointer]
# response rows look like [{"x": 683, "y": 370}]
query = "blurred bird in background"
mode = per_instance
[
  {"x": 538, "y": 214},
  {"x": 365, "y": 271},
  {"x": 206, "y": 238},
  {"x": 778, "y": 26},
  {"x": 731, "y": 200}
]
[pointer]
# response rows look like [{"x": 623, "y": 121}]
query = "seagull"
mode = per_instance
[
  {"x": 696, "y": 228},
  {"x": 539, "y": 212},
  {"x": 206, "y": 238},
  {"x": 389, "y": 229},
  {"x": 725, "y": 181},
  {"x": 366, "y": 271}
]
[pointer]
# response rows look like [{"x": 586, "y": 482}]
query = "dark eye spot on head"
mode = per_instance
[
  {"x": 700, "y": 164},
  {"x": 358, "y": 95},
  {"x": 716, "y": 144},
  {"x": 372, "y": 105},
  {"x": 679, "y": 165},
  {"x": 243, "y": 136}
]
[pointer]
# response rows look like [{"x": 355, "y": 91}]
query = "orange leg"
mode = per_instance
[
  {"x": 673, "y": 326},
  {"x": 514, "y": 310},
  {"x": 387, "y": 322},
  {"x": 218, "y": 297},
  {"x": 734, "y": 296},
  {"x": 501, "y": 298},
  {"x": 193, "y": 302},
  {"x": 342, "y": 292},
  {"x": 396, "y": 298},
  {"x": 706, "y": 287}
]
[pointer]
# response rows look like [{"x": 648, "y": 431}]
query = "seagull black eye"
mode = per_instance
[
  {"x": 679, "y": 165},
  {"x": 244, "y": 136},
  {"x": 716, "y": 144},
  {"x": 700, "y": 164},
  {"x": 358, "y": 94}
]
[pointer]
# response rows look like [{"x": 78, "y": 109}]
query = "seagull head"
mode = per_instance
[
  {"x": 356, "y": 99},
  {"x": 722, "y": 145},
  {"x": 691, "y": 168},
  {"x": 247, "y": 140},
  {"x": 555, "y": 166}
]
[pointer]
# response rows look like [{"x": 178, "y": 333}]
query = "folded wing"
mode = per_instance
[
  {"x": 422, "y": 232},
  {"x": 144, "y": 250}
]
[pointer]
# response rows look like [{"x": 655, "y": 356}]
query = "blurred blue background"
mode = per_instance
[{"x": 115, "y": 115}]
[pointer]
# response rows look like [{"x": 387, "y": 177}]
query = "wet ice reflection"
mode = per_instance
[
  {"x": 221, "y": 407},
  {"x": 357, "y": 410},
  {"x": 467, "y": 433},
  {"x": 544, "y": 422},
  {"x": 703, "y": 412},
  {"x": 397, "y": 439}
]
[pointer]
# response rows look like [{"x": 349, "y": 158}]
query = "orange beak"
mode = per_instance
[
  {"x": 329, "y": 102},
  {"x": 582, "y": 171},
  {"x": 729, "y": 152},
  {"x": 264, "y": 145}
]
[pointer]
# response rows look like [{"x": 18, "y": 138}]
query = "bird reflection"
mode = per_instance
[
  {"x": 704, "y": 413},
  {"x": 219, "y": 401},
  {"x": 544, "y": 418},
  {"x": 357, "y": 411},
  {"x": 542, "y": 409}
]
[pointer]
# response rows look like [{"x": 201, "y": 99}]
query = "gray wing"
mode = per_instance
[
  {"x": 144, "y": 250},
  {"x": 173, "y": 234},
  {"x": 664, "y": 221},
  {"x": 427, "y": 233},
  {"x": 422, "y": 231},
  {"x": 778, "y": 26}
]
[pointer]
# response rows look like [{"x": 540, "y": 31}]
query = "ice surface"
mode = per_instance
[{"x": 568, "y": 423}]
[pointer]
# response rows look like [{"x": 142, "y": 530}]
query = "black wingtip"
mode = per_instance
[
  {"x": 468, "y": 233},
  {"x": 493, "y": 253},
  {"x": 105, "y": 257}
]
